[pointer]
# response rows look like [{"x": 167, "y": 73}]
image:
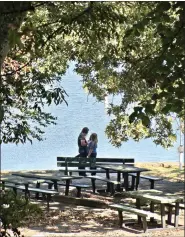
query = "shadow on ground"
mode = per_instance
[{"x": 65, "y": 218}]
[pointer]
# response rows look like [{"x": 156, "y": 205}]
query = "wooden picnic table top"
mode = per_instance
[
  {"x": 47, "y": 177},
  {"x": 155, "y": 196},
  {"x": 20, "y": 180},
  {"x": 123, "y": 168}
]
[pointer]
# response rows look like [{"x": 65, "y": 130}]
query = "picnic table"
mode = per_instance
[
  {"x": 53, "y": 179},
  {"x": 23, "y": 185},
  {"x": 17, "y": 182},
  {"x": 125, "y": 170},
  {"x": 9, "y": 182},
  {"x": 20, "y": 181},
  {"x": 158, "y": 197}
]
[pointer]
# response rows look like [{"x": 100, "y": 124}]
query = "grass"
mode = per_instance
[{"x": 168, "y": 171}]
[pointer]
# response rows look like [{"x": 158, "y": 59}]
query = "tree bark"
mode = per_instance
[{"x": 11, "y": 17}]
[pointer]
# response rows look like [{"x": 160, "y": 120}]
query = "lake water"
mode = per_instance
[{"x": 61, "y": 140}]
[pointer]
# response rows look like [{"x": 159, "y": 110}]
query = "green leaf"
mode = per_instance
[
  {"x": 14, "y": 38},
  {"x": 136, "y": 32},
  {"x": 132, "y": 117},
  {"x": 165, "y": 6},
  {"x": 150, "y": 109},
  {"x": 138, "y": 109},
  {"x": 146, "y": 121}
]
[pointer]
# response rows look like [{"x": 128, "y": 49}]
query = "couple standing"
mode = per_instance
[{"x": 87, "y": 149}]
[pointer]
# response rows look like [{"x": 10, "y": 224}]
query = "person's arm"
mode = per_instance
[
  {"x": 90, "y": 150},
  {"x": 83, "y": 142}
]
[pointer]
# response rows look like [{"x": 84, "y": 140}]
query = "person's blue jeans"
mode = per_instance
[
  {"x": 93, "y": 162},
  {"x": 82, "y": 155}
]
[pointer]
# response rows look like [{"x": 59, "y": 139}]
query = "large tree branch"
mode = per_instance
[
  {"x": 10, "y": 21},
  {"x": 57, "y": 31},
  {"x": 23, "y": 10}
]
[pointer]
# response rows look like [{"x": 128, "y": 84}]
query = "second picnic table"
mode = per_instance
[
  {"x": 125, "y": 170},
  {"x": 53, "y": 179},
  {"x": 158, "y": 197}
]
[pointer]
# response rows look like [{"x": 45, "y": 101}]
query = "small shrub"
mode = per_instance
[{"x": 14, "y": 209}]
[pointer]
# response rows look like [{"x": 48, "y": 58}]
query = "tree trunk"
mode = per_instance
[{"x": 11, "y": 17}]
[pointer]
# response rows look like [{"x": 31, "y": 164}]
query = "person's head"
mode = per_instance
[
  {"x": 94, "y": 137},
  {"x": 85, "y": 130}
]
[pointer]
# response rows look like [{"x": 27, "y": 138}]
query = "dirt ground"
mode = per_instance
[{"x": 69, "y": 220}]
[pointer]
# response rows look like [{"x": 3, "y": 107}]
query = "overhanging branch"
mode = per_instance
[
  {"x": 87, "y": 10},
  {"x": 30, "y": 8},
  {"x": 19, "y": 69}
]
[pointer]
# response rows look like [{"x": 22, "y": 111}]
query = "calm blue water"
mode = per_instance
[{"x": 61, "y": 140}]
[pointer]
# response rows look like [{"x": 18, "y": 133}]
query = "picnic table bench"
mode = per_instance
[
  {"x": 151, "y": 179},
  {"x": 111, "y": 183},
  {"x": 24, "y": 186},
  {"x": 141, "y": 213},
  {"x": 72, "y": 164}
]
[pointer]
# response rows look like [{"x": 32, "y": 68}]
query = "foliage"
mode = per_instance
[
  {"x": 132, "y": 49},
  {"x": 143, "y": 60},
  {"x": 14, "y": 210},
  {"x": 29, "y": 81},
  {"x": 13, "y": 232}
]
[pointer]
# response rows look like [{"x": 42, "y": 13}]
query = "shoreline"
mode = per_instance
[{"x": 165, "y": 164}]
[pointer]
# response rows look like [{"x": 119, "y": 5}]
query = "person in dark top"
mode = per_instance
[{"x": 82, "y": 147}]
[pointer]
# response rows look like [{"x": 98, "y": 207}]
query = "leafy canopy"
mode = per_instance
[{"x": 132, "y": 49}]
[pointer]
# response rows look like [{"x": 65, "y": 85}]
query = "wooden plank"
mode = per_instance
[
  {"x": 133, "y": 210},
  {"x": 86, "y": 164},
  {"x": 38, "y": 190},
  {"x": 127, "y": 160},
  {"x": 176, "y": 215},
  {"x": 16, "y": 182},
  {"x": 147, "y": 177},
  {"x": 102, "y": 179},
  {"x": 75, "y": 164},
  {"x": 75, "y": 185},
  {"x": 154, "y": 195},
  {"x": 10, "y": 185},
  {"x": 152, "y": 210},
  {"x": 170, "y": 214},
  {"x": 181, "y": 205},
  {"x": 145, "y": 227},
  {"x": 138, "y": 205},
  {"x": 120, "y": 218},
  {"x": 123, "y": 168},
  {"x": 87, "y": 170},
  {"x": 108, "y": 178},
  {"x": 163, "y": 221},
  {"x": 137, "y": 180},
  {"x": 52, "y": 178},
  {"x": 43, "y": 191},
  {"x": 15, "y": 187},
  {"x": 20, "y": 181}
]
